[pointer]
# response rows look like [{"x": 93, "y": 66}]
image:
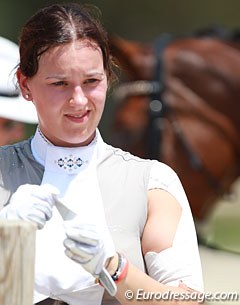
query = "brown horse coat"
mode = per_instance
[{"x": 201, "y": 81}]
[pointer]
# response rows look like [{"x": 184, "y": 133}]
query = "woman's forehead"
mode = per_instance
[
  {"x": 75, "y": 44},
  {"x": 75, "y": 57},
  {"x": 60, "y": 52}
]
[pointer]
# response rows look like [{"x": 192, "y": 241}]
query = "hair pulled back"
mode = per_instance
[{"x": 59, "y": 24}]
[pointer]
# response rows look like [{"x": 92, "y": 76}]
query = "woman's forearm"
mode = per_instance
[{"x": 139, "y": 287}]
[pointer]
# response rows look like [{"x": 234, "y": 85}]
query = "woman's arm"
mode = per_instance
[{"x": 164, "y": 213}]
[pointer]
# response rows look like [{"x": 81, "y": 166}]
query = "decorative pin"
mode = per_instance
[{"x": 70, "y": 163}]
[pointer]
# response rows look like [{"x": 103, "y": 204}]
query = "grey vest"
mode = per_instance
[{"x": 123, "y": 180}]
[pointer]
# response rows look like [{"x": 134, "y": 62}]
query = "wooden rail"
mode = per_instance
[{"x": 17, "y": 255}]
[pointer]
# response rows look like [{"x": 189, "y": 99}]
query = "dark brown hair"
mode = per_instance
[{"x": 58, "y": 24}]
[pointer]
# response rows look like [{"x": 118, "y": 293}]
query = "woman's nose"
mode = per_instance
[{"x": 78, "y": 96}]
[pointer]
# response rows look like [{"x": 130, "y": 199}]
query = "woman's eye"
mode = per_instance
[
  {"x": 59, "y": 83},
  {"x": 91, "y": 81}
]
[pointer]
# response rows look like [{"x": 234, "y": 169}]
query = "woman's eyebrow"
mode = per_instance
[
  {"x": 55, "y": 76},
  {"x": 93, "y": 73},
  {"x": 88, "y": 74}
]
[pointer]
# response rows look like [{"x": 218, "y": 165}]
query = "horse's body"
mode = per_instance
[{"x": 195, "y": 129}]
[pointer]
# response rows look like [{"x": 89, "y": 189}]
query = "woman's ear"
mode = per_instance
[{"x": 23, "y": 84}]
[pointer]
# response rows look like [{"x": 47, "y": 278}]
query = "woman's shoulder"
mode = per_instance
[
  {"x": 162, "y": 176},
  {"x": 125, "y": 156},
  {"x": 14, "y": 155},
  {"x": 12, "y": 150},
  {"x": 18, "y": 166},
  {"x": 163, "y": 169},
  {"x": 158, "y": 169}
]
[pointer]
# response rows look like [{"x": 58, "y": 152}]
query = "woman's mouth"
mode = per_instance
[{"x": 78, "y": 117}]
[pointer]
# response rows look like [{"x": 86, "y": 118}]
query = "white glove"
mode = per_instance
[
  {"x": 88, "y": 245},
  {"x": 32, "y": 203}
]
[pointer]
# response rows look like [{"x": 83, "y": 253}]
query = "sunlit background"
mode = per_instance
[{"x": 145, "y": 20}]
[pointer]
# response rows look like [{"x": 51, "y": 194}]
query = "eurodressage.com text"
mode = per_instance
[{"x": 142, "y": 295}]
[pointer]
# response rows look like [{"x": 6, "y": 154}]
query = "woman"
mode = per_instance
[{"x": 127, "y": 222}]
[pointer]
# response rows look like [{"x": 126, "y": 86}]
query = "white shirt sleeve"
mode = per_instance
[{"x": 181, "y": 262}]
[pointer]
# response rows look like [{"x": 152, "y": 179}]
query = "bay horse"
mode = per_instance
[{"x": 178, "y": 101}]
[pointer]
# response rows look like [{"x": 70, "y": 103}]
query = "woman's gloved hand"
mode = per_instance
[
  {"x": 31, "y": 203},
  {"x": 88, "y": 245}
]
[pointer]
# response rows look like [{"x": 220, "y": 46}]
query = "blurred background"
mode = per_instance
[
  {"x": 144, "y": 21},
  {"x": 135, "y": 20}
]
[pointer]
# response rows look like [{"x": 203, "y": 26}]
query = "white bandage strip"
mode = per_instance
[{"x": 170, "y": 267}]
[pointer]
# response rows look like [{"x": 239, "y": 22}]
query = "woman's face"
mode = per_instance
[{"x": 69, "y": 92}]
